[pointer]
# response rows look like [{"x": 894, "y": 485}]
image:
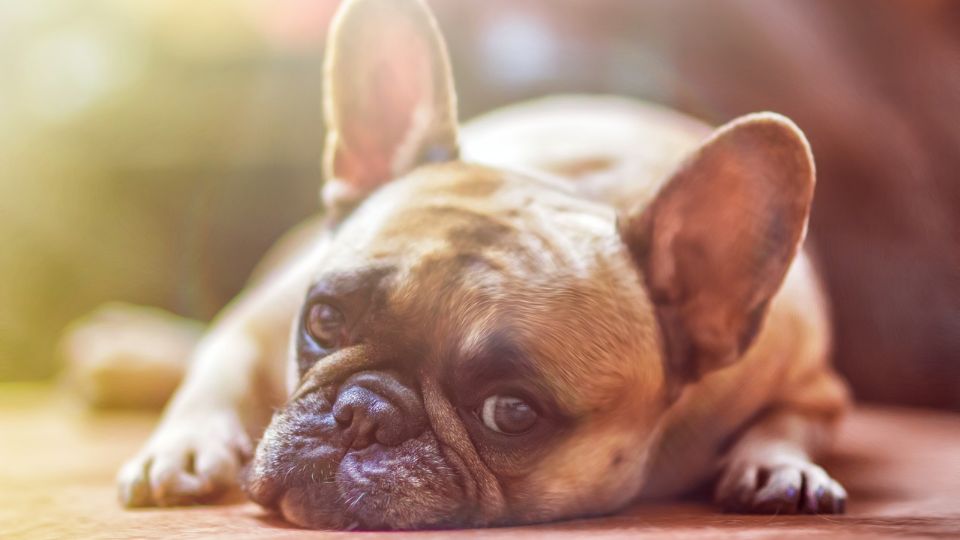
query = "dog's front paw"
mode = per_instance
[
  {"x": 187, "y": 461},
  {"x": 779, "y": 486}
]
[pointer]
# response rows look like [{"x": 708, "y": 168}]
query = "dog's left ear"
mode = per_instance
[
  {"x": 716, "y": 243},
  {"x": 389, "y": 101}
]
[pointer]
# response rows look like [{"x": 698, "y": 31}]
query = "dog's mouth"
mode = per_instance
[{"x": 372, "y": 467}]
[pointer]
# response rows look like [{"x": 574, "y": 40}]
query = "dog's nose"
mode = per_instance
[{"x": 375, "y": 407}]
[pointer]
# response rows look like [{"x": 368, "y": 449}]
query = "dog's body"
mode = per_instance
[{"x": 598, "y": 322}]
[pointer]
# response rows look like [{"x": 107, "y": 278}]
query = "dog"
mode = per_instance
[{"x": 556, "y": 310}]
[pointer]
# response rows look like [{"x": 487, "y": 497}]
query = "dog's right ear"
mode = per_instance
[{"x": 389, "y": 101}]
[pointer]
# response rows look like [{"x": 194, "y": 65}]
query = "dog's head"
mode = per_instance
[{"x": 485, "y": 347}]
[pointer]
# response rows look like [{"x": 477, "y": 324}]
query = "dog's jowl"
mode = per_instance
[{"x": 558, "y": 309}]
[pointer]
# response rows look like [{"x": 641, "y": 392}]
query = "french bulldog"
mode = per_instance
[{"x": 554, "y": 311}]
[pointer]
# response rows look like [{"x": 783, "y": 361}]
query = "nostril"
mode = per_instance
[{"x": 357, "y": 412}]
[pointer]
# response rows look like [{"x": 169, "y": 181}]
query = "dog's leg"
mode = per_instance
[
  {"x": 770, "y": 469},
  {"x": 234, "y": 381}
]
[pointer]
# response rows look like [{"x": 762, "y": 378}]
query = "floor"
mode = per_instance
[{"x": 57, "y": 461}]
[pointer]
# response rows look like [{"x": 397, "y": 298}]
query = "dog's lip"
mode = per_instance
[
  {"x": 262, "y": 489},
  {"x": 268, "y": 486},
  {"x": 264, "y": 480},
  {"x": 273, "y": 492},
  {"x": 310, "y": 517},
  {"x": 359, "y": 474}
]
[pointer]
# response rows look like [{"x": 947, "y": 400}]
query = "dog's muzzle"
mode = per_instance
[{"x": 366, "y": 460}]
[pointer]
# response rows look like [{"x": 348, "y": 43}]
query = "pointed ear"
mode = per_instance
[
  {"x": 716, "y": 243},
  {"x": 389, "y": 102}
]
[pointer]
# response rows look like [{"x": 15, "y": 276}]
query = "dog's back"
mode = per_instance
[{"x": 616, "y": 150}]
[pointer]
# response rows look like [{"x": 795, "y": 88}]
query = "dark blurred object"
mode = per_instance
[{"x": 876, "y": 86}]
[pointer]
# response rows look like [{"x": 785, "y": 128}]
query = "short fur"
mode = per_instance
[{"x": 666, "y": 325}]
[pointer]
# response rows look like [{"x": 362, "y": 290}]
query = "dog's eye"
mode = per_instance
[
  {"x": 507, "y": 414},
  {"x": 325, "y": 324}
]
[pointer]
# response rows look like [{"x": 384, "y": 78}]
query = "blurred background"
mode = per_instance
[{"x": 152, "y": 150}]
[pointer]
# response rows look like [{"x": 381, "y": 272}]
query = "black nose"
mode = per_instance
[{"x": 375, "y": 407}]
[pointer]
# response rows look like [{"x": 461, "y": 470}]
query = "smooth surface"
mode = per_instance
[{"x": 57, "y": 463}]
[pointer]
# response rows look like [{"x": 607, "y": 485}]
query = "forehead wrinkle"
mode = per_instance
[
  {"x": 501, "y": 336},
  {"x": 491, "y": 349}
]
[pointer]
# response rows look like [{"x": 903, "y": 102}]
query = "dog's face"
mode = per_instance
[
  {"x": 452, "y": 365},
  {"x": 485, "y": 347}
]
